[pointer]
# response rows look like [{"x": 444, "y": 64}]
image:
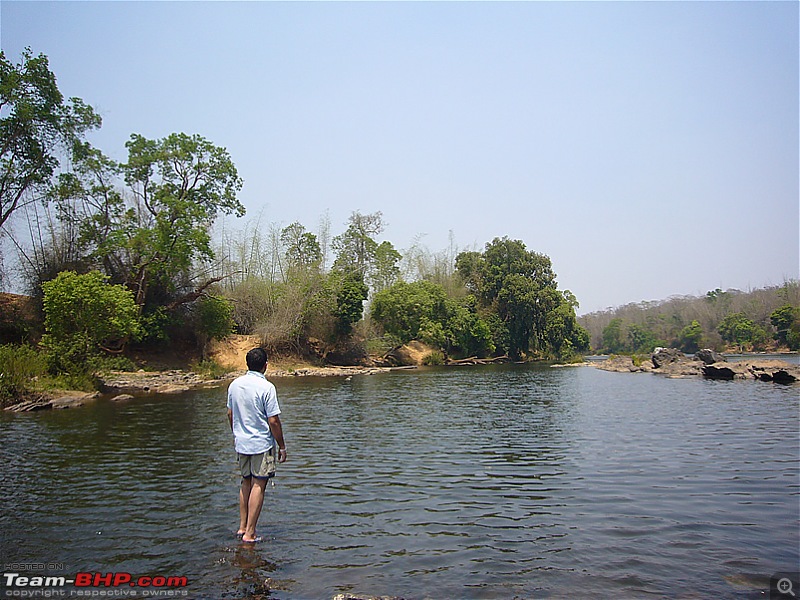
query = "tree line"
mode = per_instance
[
  {"x": 757, "y": 320},
  {"x": 133, "y": 253}
]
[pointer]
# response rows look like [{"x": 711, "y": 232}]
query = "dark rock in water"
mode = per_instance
[
  {"x": 778, "y": 371},
  {"x": 665, "y": 356},
  {"x": 782, "y": 376},
  {"x": 718, "y": 371},
  {"x": 709, "y": 357},
  {"x": 774, "y": 370}
]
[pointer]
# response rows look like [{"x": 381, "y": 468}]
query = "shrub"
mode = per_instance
[
  {"x": 209, "y": 369},
  {"x": 84, "y": 314},
  {"x": 214, "y": 320},
  {"x": 19, "y": 367},
  {"x": 433, "y": 359}
]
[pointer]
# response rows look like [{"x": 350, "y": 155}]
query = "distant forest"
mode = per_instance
[{"x": 765, "y": 319}]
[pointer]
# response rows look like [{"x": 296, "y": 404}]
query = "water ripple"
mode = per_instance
[{"x": 477, "y": 483}]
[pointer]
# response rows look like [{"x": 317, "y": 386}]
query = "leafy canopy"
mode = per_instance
[
  {"x": 519, "y": 288},
  {"x": 153, "y": 234},
  {"x": 37, "y": 124},
  {"x": 422, "y": 310},
  {"x": 85, "y": 315}
]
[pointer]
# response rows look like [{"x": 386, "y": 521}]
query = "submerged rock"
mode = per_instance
[
  {"x": 162, "y": 382},
  {"x": 51, "y": 400}
]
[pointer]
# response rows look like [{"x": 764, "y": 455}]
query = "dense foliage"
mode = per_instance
[
  {"x": 517, "y": 295},
  {"x": 759, "y": 320},
  {"x": 422, "y": 310},
  {"x": 84, "y": 315},
  {"x": 37, "y": 124}
]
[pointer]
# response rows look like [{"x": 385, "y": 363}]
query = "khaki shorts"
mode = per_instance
[{"x": 261, "y": 465}]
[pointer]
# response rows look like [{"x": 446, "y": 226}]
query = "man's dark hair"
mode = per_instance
[{"x": 256, "y": 359}]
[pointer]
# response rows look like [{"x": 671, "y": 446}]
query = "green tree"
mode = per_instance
[
  {"x": 355, "y": 248},
  {"x": 350, "y": 296},
  {"x": 214, "y": 320},
  {"x": 738, "y": 329},
  {"x": 691, "y": 337},
  {"x": 786, "y": 320},
  {"x": 519, "y": 285},
  {"x": 402, "y": 308},
  {"x": 385, "y": 270},
  {"x": 37, "y": 124},
  {"x": 470, "y": 334},
  {"x": 302, "y": 248},
  {"x": 470, "y": 265},
  {"x": 85, "y": 316},
  {"x": 641, "y": 338},
  {"x": 151, "y": 238},
  {"x": 422, "y": 310},
  {"x": 565, "y": 336},
  {"x": 613, "y": 339}
]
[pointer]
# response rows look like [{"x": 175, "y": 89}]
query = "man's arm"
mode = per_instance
[
  {"x": 276, "y": 429},
  {"x": 230, "y": 418}
]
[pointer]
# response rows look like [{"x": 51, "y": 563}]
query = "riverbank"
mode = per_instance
[{"x": 119, "y": 386}]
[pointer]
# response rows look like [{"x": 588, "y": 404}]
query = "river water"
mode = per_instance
[{"x": 475, "y": 482}]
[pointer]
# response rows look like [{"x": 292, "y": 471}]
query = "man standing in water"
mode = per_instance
[{"x": 254, "y": 417}]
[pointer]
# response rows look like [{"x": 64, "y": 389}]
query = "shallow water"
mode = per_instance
[{"x": 480, "y": 482}]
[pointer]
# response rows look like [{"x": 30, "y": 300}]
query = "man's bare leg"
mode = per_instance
[
  {"x": 254, "y": 503},
  {"x": 244, "y": 497}
]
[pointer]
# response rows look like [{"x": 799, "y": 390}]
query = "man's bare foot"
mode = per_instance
[{"x": 254, "y": 540}]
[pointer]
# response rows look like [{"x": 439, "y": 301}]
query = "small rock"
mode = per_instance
[{"x": 709, "y": 357}]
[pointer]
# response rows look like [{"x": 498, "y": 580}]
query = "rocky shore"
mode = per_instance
[
  {"x": 706, "y": 363},
  {"x": 175, "y": 382},
  {"x": 120, "y": 385}
]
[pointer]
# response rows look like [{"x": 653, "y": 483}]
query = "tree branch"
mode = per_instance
[{"x": 192, "y": 296}]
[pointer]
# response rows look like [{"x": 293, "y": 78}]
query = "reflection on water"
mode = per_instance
[{"x": 488, "y": 482}]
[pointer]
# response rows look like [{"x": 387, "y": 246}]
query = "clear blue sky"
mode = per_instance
[{"x": 649, "y": 149}]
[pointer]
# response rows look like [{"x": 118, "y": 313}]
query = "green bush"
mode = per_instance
[
  {"x": 83, "y": 315},
  {"x": 215, "y": 317},
  {"x": 20, "y": 366},
  {"x": 786, "y": 320},
  {"x": 433, "y": 359}
]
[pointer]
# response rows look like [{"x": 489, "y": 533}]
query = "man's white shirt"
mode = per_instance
[{"x": 252, "y": 400}]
